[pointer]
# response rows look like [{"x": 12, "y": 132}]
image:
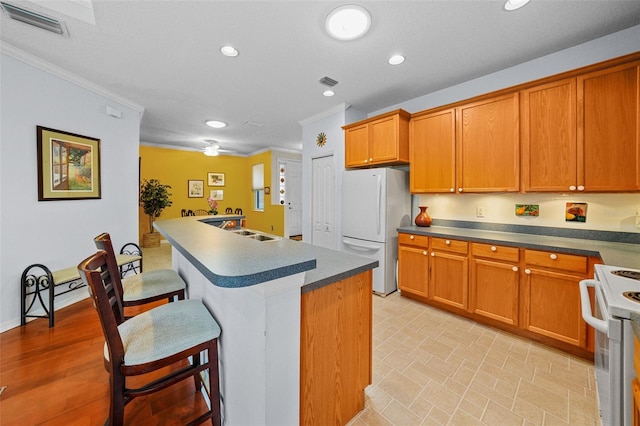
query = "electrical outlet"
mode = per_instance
[{"x": 480, "y": 211}]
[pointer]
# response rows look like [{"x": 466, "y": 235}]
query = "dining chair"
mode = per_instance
[
  {"x": 164, "y": 337},
  {"x": 200, "y": 212},
  {"x": 147, "y": 286}
]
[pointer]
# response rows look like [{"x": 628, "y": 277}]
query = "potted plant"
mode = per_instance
[{"x": 154, "y": 197}]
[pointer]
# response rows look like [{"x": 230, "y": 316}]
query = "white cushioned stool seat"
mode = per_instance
[
  {"x": 165, "y": 330},
  {"x": 151, "y": 283}
]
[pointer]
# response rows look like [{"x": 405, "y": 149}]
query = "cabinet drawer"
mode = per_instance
[
  {"x": 413, "y": 240},
  {"x": 444, "y": 244},
  {"x": 549, "y": 259},
  {"x": 492, "y": 251}
]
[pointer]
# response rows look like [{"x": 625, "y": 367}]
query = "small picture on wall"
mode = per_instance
[
  {"x": 576, "y": 212},
  {"x": 216, "y": 194},
  {"x": 196, "y": 189},
  {"x": 215, "y": 179},
  {"x": 527, "y": 209}
]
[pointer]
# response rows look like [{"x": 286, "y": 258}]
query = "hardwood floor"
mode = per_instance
[{"x": 55, "y": 376}]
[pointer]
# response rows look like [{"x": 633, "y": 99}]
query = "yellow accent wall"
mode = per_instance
[{"x": 176, "y": 167}]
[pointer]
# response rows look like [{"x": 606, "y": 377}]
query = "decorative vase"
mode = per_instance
[{"x": 423, "y": 218}]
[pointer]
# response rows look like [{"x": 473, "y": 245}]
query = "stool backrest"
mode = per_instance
[
  {"x": 103, "y": 242},
  {"x": 98, "y": 274}
]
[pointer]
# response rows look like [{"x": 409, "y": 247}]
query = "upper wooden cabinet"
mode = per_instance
[
  {"x": 432, "y": 152},
  {"x": 548, "y": 137},
  {"x": 609, "y": 128},
  {"x": 377, "y": 141},
  {"x": 487, "y": 138}
]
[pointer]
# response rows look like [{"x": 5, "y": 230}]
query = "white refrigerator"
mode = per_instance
[{"x": 374, "y": 203}]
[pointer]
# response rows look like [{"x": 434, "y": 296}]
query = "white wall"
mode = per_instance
[
  {"x": 58, "y": 234},
  {"x": 609, "y": 212}
]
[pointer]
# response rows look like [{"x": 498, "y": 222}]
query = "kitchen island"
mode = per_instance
[{"x": 295, "y": 318}]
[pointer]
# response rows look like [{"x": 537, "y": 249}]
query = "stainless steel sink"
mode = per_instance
[
  {"x": 255, "y": 235},
  {"x": 246, "y": 233},
  {"x": 262, "y": 238}
]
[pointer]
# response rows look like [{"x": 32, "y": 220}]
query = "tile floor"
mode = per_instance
[{"x": 434, "y": 368}]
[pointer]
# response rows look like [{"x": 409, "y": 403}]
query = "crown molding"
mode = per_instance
[
  {"x": 331, "y": 111},
  {"x": 55, "y": 70}
]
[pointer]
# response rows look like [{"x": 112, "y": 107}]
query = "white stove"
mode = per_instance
[
  {"x": 620, "y": 286},
  {"x": 614, "y": 289}
]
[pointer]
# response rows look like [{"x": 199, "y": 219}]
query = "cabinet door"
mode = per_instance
[
  {"x": 413, "y": 270},
  {"x": 433, "y": 152},
  {"x": 383, "y": 144},
  {"x": 609, "y": 128},
  {"x": 356, "y": 142},
  {"x": 548, "y": 137},
  {"x": 488, "y": 148},
  {"x": 448, "y": 280},
  {"x": 635, "y": 390},
  {"x": 551, "y": 302},
  {"x": 494, "y": 290}
]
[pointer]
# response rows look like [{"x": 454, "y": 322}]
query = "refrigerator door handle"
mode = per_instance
[
  {"x": 379, "y": 203},
  {"x": 360, "y": 247}
]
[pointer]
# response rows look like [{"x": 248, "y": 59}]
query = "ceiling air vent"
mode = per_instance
[
  {"x": 33, "y": 18},
  {"x": 328, "y": 81}
]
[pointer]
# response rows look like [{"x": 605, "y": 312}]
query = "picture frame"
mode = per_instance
[
  {"x": 216, "y": 194},
  {"x": 195, "y": 189},
  {"x": 215, "y": 179},
  {"x": 68, "y": 166}
]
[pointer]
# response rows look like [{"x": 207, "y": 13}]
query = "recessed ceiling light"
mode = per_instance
[
  {"x": 514, "y": 4},
  {"x": 348, "y": 22},
  {"x": 229, "y": 51},
  {"x": 216, "y": 124},
  {"x": 396, "y": 60},
  {"x": 328, "y": 93}
]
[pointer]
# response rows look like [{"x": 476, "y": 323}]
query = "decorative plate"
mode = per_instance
[{"x": 321, "y": 139}]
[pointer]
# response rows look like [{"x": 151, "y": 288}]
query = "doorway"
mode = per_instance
[{"x": 291, "y": 184}]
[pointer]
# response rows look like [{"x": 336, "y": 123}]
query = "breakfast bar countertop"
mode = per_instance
[
  {"x": 231, "y": 260},
  {"x": 625, "y": 255}
]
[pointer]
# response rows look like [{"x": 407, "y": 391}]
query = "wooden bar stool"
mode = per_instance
[{"x": 158, "y": 338}]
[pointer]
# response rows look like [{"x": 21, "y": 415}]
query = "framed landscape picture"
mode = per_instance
[
  {"x": 216, "y": 179},
  {"x": 196, "y": 189},
  {"x": 68, "y": 166}
]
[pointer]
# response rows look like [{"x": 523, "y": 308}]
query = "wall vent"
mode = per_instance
[
  {"x": 328, "y": 81},
  {"x": 33, "y": 18}
]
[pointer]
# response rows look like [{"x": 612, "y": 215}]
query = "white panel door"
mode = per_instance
[
  {"x": 293, "y": 197},
  {"x": 323, "y": 203}
]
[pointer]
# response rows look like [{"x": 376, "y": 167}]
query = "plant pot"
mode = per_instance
[{"x": 151, "y": 239}]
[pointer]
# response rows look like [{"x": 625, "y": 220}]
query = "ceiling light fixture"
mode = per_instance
[
  {"x": 514, "y": 4},
  {"x": 216, "y": 124},
  {"x": 328, "y": 93},
  {"x": 212, "y": 149},
  {"x": 348, "y": 22},
  {"x": 396, "y": 60},
  {"x": 229, "y": 51}
]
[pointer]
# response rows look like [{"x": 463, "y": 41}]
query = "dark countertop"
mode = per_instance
[
  {"x": 231, "y": 260},
  {"x": 625, "y": 255}
]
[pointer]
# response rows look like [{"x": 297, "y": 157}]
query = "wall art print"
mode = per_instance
[{"x": 68, "y": 166}]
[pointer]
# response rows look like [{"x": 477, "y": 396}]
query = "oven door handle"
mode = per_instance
[{"x": 587, "y": 315}]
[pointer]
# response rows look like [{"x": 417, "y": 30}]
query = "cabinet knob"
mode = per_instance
[
  {"x": 580, "y": 188},
  {"x": 424, "y": 253},
  {"x": 366, "y": 161},
  {"x": 494, "y": 248},
  {"x": 452, "y": 190},
  {"x": 514, "y": 269},
  {"x": 527, "y": 271},
  {"x": 433, "y": 254},
  {"x": 412, "y": 237},
  {"x": 459, "y": 189},
  {"x": 370, "y": 159},
  {"x": 553, "y": 256},
  {"x": 447, "y": 242},
  {"x": 572, "y": 188}
]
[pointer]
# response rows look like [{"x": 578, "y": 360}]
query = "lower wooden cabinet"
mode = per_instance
[
  {"x": 635, "y": 384},
  {"x": 532, "y": 293},
  {"x": 448, "y": 278},
  {"x": 495, "y": 282},
  {"x": 413, "y": 264}
]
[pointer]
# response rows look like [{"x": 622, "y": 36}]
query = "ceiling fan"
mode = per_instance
[{"x": 214, "y": 149}]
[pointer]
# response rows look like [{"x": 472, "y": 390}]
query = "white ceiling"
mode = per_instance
[{"x": 164, "y": 56}]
